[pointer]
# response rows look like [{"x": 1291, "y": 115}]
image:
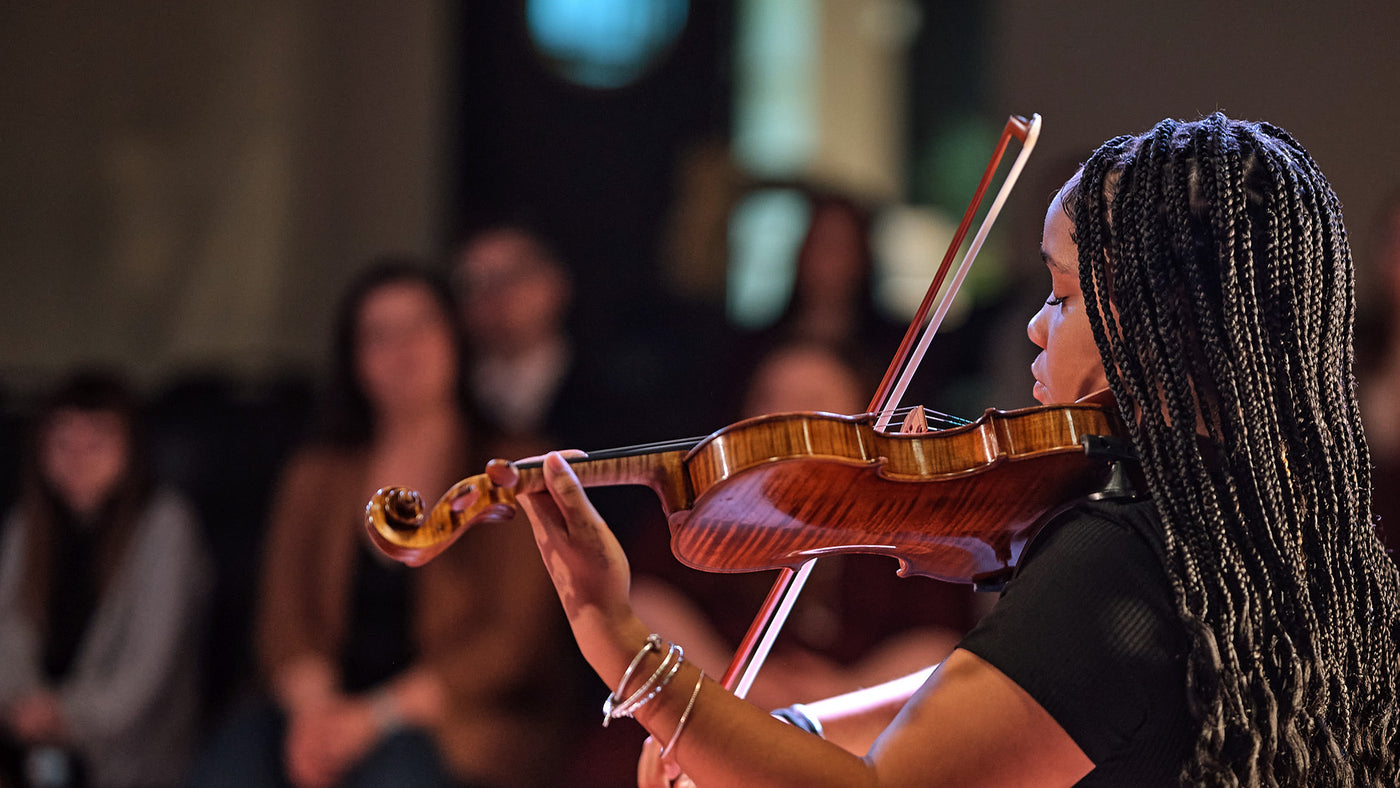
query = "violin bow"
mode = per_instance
[{"x": 758, "y": 641}]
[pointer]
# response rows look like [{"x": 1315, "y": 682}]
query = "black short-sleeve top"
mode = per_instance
[{"x": 1088, "y": 628}]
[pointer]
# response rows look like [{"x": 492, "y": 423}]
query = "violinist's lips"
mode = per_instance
[{"x": 1039, "y": 391}]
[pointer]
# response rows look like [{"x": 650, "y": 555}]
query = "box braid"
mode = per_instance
[{"x": 1219, "y": 286}]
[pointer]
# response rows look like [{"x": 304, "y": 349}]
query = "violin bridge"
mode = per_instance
[{"x": 915, "y": 422}]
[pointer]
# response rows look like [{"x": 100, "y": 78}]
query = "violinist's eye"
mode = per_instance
[{"x": 1054, "y": 300}]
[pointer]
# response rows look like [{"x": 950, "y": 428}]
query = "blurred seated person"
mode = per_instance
[
  {"x": 531, "y": 374},
  {"x": 527, "y": 374},
  {"x": 856, "y": 624},
  {"x": 514, "y": 297},
  {"x": 832, "y": 299},
  {"x": 383, "y": 675},
  {"x": 102, "y": 585},
  {"x": 833, "y": 304}
]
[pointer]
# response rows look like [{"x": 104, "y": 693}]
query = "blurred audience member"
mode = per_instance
[
  {"x": 102, "y": 584},
  {"x": 803, "y": 376},
  {"x": 833, "y": 300},
  {"x": 856, "y": 624},
  {"x": 514, "y": 298},
  {"x": 833, "y": 304},
  {"x": 528, "y": 374},
  {"x": 381, "y": 675}
]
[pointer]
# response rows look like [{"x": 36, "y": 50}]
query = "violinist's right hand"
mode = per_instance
[{"x": 588, "y": 567}]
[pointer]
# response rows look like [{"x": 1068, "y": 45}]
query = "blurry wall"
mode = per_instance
[
  {"x": 1327, "y": 72},
  {"x": 862, "y": 82},
  {"x": 188, "y": 184}
]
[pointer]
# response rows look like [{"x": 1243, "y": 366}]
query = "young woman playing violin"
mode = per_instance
[{"x": 1235, "y": 624}]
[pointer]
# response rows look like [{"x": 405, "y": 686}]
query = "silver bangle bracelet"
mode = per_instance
[
  {"x": 630, "y": 707},
  {"x": 653, "y": 643},
  {"x": 685, "y": 717}
]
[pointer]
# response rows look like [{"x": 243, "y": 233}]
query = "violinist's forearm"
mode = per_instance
[
  {"x": 725, "y": 740},
  {"x": 854, "y": 720}
]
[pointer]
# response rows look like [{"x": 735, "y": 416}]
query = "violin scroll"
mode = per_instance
[
  {"x": 399, "y": 527},
  {"x": 402, "y": 508}
]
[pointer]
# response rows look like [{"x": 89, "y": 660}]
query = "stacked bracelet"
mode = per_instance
[
  {"x": 615, "y": 706},
  {"x": 655, "y": 684},
  {"x": 653, "y": 643}
]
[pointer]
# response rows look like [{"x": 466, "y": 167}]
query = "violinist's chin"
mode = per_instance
[{"x": 1041, "y": 394}]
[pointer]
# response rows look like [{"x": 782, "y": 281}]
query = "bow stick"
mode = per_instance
[{"x": 758, "y": 641}]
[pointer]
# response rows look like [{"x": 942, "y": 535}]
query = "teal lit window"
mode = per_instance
[{"x": 765, "y": 231}]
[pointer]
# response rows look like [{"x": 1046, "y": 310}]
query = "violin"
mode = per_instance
[
  {"x": 775, "y": 491},
  {"x": 779, "y": 491}
]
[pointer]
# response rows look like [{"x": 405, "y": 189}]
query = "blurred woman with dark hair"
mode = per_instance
[
  {"x": 102, "y": 584},
  {"x": 832, "y": 302},
  {"x": 382, "y": 675}
]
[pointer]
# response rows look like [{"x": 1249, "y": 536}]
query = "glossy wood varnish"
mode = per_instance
[{"x": 774, "y": 491}]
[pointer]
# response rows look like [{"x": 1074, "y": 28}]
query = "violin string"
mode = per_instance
[
  {"x": 647, "y": 448},
  {"x": 629, "y": 451},
  {"x": 680, "y": 444},
  {"x": 935, "y": 416}
]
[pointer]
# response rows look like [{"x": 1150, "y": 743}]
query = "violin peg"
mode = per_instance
[
  {"x": 401, "y": 508},
  {"x": 502, "y": 473}
]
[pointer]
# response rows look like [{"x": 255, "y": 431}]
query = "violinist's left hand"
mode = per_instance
[{"x": 588, "y": 567}]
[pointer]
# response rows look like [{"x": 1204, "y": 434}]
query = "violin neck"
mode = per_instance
[{"x": 663, "y": 470}]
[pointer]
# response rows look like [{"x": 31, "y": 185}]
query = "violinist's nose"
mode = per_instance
[{"x": 1036, "y": 328}]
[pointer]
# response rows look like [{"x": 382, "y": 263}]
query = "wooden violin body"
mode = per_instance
[
  {"x": 957, "y": 506},
  {"x": 775, "y": 491}
]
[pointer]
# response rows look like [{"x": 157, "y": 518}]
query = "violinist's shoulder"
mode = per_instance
[
  {"x": 1088, "y": 628},
  {"x": 1095, "y": 538},
  {"x": 1137, "y": 516}
]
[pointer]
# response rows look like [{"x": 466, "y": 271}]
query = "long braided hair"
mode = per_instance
[{"x": 1219, "y": 286}]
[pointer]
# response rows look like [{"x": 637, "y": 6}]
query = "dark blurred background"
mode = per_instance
[{"x": 188, "y": 186}]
